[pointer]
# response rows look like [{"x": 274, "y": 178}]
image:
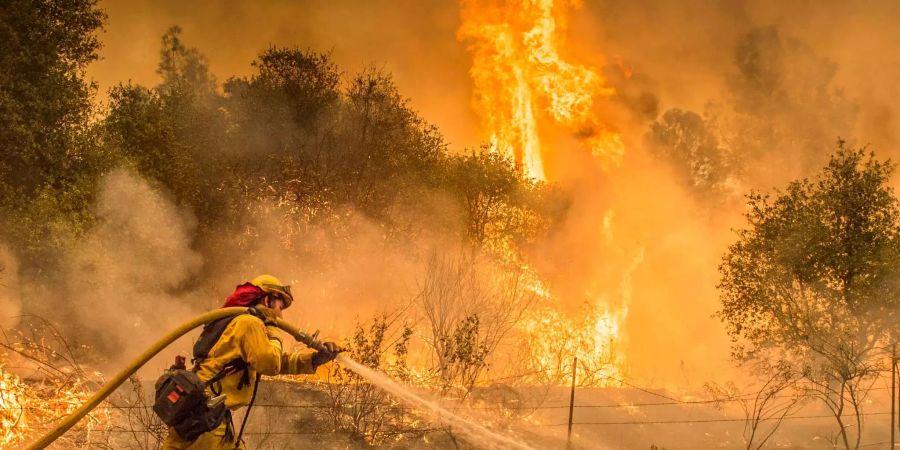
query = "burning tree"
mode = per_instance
[
  {"x": 523, "y": 77},
  {"x": 553, "y": 340},
  {"x": 812, "y": 283}
]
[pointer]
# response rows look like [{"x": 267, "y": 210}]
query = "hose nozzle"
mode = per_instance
[{"x": 310, "y": 340}]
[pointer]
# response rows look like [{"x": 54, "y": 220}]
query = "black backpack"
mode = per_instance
[{"x": 181, "y": 400}]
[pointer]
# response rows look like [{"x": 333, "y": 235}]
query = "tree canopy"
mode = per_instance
[
  {"x": 296, "y": 132},
  {"x": 813, "y": 281}
]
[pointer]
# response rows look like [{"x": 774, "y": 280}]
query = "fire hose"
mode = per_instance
[{"x": 111, "y": 385}]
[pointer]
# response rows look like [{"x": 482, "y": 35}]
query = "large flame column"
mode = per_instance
[{"x": 520, "y": 79}]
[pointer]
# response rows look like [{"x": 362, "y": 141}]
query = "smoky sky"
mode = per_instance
[
  {"x": 413, "y": 40},
  {"x": 685, "y": 47}
]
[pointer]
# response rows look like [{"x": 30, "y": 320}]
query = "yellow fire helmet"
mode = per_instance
[{"x": 275, "y": 288}]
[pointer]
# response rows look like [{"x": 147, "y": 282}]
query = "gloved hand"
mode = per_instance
[
  {"x": 329, "y": 351},
  {"x": 267, "y": 315}
]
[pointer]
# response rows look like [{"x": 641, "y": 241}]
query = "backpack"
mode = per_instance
[
  {"x": 181, "y": 403},
  {"x": 181, "y": 400}
]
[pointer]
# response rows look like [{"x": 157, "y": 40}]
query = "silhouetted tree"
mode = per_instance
[
  {"x": 685, "y": 140},
  {"x": 784, "y": 105}
]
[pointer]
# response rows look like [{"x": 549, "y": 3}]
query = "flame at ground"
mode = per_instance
[
  {"x": 520, "y": 78},
  {"x": 555, "y": 340},
  {"x": 12, "y": 415},
  {"x": 594, "y": 337},
  {"x": 28, "y": 409}
]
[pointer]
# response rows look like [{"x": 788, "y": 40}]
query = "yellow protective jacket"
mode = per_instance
[{"x": 246, "y": 337}]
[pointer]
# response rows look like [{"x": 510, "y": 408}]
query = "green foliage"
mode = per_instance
[
  {"x": 324, "y": 147},
  {"x": 363, "y": 410},
  {"x": 501, "y": 210},
  {"x": 464, "y": 346},
  {"x": 818, "y": 267},
  {"x": 297, "y": 133},
  {"x": 486, "y": 183},
  {"x": 277, "y": 110},
  {"x": 306, "y": 83},
  {"x": 141, "y": 127},
  {"x": 463, "y": 353},
  {"x": 399, "y": 367},
  {"x": 44, "y": 100},
  {"x": 175, "y": 134},
  {"x": 812, "y": 284},
  {"x": 50, "y": 159},
  {"x": 184, "y": 70},
  {"x": 172, "y": 142}
]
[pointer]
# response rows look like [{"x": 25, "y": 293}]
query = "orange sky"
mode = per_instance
[
  {"x": 686, "y": 48},
  {"x": 414, "y": 40}
]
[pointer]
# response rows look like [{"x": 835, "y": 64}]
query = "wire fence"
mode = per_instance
[
  {"x": 635, "y": 422},
  {"x": 537, "y": 407},
  {"x": 671, "y": 401},
  {"x": 629, "y": 405}
]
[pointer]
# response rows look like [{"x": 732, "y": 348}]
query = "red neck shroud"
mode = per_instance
[{"x": 244, "y": 295}]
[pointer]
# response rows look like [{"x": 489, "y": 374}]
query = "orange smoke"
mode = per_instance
[{"x": 521, "y": 80}]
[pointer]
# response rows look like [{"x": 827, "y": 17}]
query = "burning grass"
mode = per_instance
[{"x": 41, "y": 382}]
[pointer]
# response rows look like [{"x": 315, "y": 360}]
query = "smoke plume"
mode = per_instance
[{"x": 130, "y": 277}]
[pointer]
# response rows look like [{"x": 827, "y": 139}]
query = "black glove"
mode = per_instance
[{"x": 328, "y": 352}]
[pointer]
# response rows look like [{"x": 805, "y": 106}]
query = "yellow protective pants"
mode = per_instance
[{"x": 214, "y": 440}]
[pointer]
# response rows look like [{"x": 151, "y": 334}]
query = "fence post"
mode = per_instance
[
  {"x": 572, "y": 403},
  {"x": 894, "y": 397}
]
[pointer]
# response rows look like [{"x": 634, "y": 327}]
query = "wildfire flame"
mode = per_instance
[
  {"x": 594, "y": 337},
  {"x": 554, "y": 340},
  {"x": 520, "y": 78},
  {"x": 12, "y": 415},
  {"x": 28, "y": 408}
]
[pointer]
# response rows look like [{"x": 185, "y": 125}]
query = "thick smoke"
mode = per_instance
[
  {"x": 748, "y": 100},
  {"x": 338, "y": 276},
  {"x": 130, "y": 278},
  {"x": 136, "y": 274}
]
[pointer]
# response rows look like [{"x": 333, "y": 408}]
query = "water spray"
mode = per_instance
[
  {"x": 486, "y": 437},
  {"x": 311, "y": 340}
]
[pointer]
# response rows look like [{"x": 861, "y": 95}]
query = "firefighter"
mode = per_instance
[{"x": 249, "y": 340}]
